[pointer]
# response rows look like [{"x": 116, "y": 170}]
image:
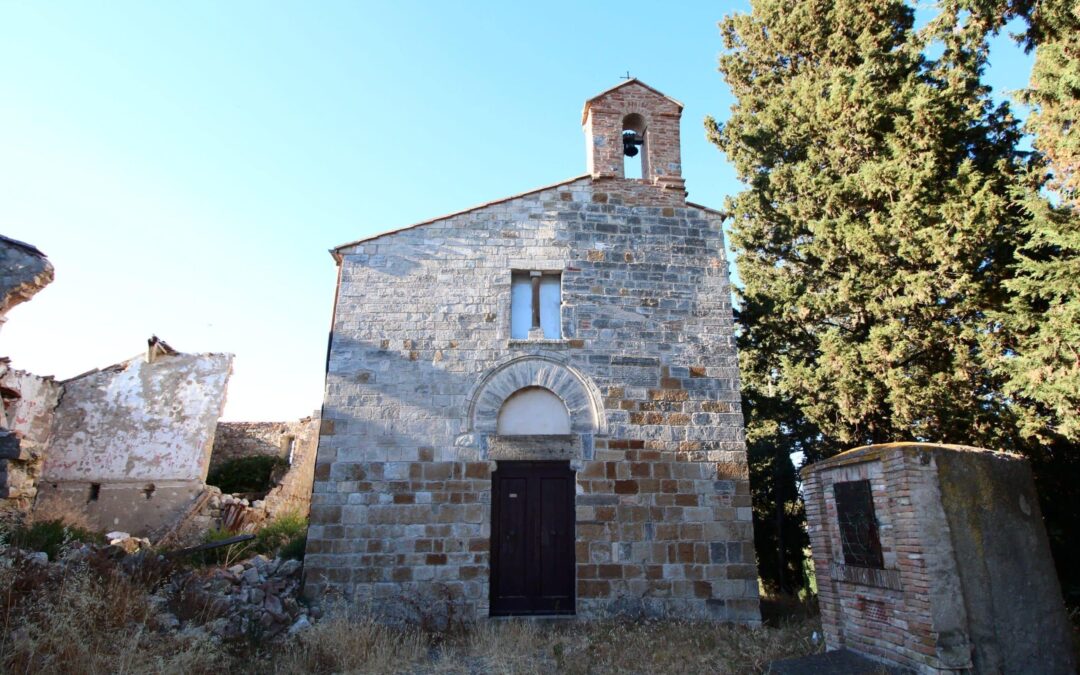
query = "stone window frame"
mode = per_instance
[{"x": 535, "y": 334}]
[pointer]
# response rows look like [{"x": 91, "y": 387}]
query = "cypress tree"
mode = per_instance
[
  {"x": 1054, "y": 92},
  {"x": 877, "y": 230},
  {"x": 1041, "y": 327}
]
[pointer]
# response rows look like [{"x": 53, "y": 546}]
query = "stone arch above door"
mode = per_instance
[
  {"x": 533, "y": 411},
  {"x": 578, "y": 394}
]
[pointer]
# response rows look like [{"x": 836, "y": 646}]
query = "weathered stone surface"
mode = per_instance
[
  {"x": 966, "y": 580},
  {"x": 24, "y": 271},
  {"x": 422, "y": 360},
  {"x": 295, "y": 442},
  {"x": 140, "y": 421},
  {"x": 129, "y": 445},
  {"x": 29, "y": 405}
]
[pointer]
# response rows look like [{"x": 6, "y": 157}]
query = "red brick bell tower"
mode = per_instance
[{"x": 634, "y": 113}]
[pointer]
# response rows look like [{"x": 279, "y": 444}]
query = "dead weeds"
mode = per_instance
[{"x": 87, "y": 621}]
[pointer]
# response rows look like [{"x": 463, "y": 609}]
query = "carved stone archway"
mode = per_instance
[{"x": 581, "y": 398}]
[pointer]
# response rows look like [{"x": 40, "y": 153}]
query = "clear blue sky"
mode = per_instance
[{"x": 186, "y": 166}]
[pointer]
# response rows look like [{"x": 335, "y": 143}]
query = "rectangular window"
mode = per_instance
[
  {"x": 858, "y": 524},
  {"x": 535, "y": 305}
]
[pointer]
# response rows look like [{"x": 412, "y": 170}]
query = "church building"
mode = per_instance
[{"x": 532, "y": 406}]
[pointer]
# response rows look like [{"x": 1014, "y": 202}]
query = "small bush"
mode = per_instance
[
  {"x": 245, "y": 475},
  {"x": 223, "y": 555},
  {"x": 295, "y": 548},
  {"x": 49, "y": 536},
  {"x": 281, "y": 532},
  {"x": 284, "y": 536}
]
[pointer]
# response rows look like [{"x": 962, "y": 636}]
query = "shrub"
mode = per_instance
[
  {"x": 49, "y": 536},
  {"x": 280, "y": 532},
  {"x": 246, "y": 474},
  {"x": 295, "y": 548},
  {"x": 284, "y": 536},
  {"x": 223, "y": 555}
]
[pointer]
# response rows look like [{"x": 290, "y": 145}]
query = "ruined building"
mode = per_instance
[
  {"x": 128, "y": 447},
  {"x": 130, "y": 444},
  {"x": 26, "y": 400},
  {"x": 532, "y": 406}
]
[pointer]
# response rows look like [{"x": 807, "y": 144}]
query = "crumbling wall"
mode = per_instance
[
  {"x": 235, "y": 440},
  {"x": 29, "y": 402},
  {"x": 131, "y": 443},
  {"x": 293, "y": 491},
  {"x": 24, "y": 271},
  {"x": 295, "y": 442},
  {"x": 140, "y": 421}
]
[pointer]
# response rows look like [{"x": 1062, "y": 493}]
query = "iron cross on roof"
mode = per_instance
[{"x": 626, "y": 77}]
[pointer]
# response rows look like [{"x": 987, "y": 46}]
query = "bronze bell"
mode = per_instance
[{"x": 630, "y": 141}]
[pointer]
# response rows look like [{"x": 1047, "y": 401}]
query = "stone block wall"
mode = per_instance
[
  {"x": 967, "y": 582},
  {"x": 235, "y": 440},
  {"x": 421, "y": 359},
  {"x": 296, "y": 442}
]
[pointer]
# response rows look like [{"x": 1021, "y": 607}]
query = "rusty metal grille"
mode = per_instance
[{"x": 858, "y": 524}]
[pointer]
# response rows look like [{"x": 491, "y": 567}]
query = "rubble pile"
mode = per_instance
[{"x": 257, "y": 598}]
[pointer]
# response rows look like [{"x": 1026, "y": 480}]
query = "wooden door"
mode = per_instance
[{"x": 532, "y": 538}]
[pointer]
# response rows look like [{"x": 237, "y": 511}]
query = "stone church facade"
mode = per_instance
[{"x": 532, "y": 406}]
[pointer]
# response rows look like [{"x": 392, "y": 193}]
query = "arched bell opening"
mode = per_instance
[{"x": 635, "y": 147}]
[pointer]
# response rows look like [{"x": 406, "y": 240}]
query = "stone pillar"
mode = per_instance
[{"x": 944, "y": 567}]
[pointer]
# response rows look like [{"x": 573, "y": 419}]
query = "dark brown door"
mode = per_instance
[{"x": 532, "y": 538}]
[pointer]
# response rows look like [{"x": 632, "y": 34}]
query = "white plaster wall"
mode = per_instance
[
  {"x": 533, "y": 411},
  {"x": 140, "y": 421},
  {"x": 31, "y": 415}
]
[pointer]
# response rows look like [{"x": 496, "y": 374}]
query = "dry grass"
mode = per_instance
[
  {"x": 352, "y": 644},
  {"x": 360, "y": 645},
  {"x": 83, "y": 622},
  {"x": 58, "y": 510},
  {"x": 92, "y": 621}
]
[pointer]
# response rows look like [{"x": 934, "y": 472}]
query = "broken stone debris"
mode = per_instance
[
  {"x": 263, "y": 597},
  {"x": 256, "y": 596}
]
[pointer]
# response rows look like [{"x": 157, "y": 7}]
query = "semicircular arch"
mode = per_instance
[{"x": 581, "y": 398}]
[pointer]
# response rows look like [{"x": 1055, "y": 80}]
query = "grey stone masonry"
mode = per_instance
[{"x": 421, "y": 362}]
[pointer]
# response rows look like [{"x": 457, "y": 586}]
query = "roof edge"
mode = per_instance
[
  {"x": 336, "y": 251},
  {"x": 632, "y": 80},
  {"x": 121, "y": 365},
  {"x": 866, "y": 453},
  {"x": 723, "y": 214},
  {"x": 29, "y": 248}
]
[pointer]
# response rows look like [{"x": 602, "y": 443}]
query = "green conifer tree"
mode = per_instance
[
  {"x": 1041, "y": 327},
  {"x": 877, "y": 231}
]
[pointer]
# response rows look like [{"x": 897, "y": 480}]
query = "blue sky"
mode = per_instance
[{"x": 186, "y": 166}]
